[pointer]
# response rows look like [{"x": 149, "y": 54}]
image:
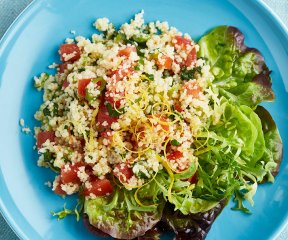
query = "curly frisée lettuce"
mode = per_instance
[{"x": 155, "y": 131}]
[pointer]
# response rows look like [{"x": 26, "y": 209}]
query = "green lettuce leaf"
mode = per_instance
[
  {"x": 259, "y": 143},
  {"x": 273, "y": 154},
  {"x": 240, "y": 72}
]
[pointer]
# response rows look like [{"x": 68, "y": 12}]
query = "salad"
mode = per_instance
[{"x": 154, "y": 131}]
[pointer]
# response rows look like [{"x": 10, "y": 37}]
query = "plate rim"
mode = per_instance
[{"x": 4, "y": 210}]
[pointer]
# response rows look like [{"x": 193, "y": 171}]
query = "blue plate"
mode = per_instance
[{"x": 32, "y": 43}]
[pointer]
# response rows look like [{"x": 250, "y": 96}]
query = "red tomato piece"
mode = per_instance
[
  {"x": 107, "y": 135},
  {"x": 174, "y": 155},
  {"x": 62, "y": 67},
  {"x": 69, "y": 49},
  {"x": 181, "y": 41},
  {"x": 42, "y": 137},
  {"x": 191, "y": 58},
  {"x": 123, "y": 172},
  {"x": 168, "y": 147},
  {"x": 114, "y": 97},
  {"x": 103, "y": 116},
  {"x": 89, "y": 172},
  {"x": 82, "y": 84},
  {"x": 178, "y": 107},
  {"x": 164, "y": 62},
  {"x": 58, "y": 190},
  {"x": 192, "y": 88},
  {"x": 69, "y": 173},
  {"x": 163, "y": 119},
  {"x": 164, "y": 126},
  {"x": 99, "y": 84},
  {"x": 134, "y": 144},
  {"x": 65, "y": 84},
  {"x": 120, "y": 73},
  {"x": 127, "y": 51},
  {"x": 100, "y": 187}
]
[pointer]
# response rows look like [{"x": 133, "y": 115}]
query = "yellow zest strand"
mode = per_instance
[
  {"x": 147, "y": 129},
  {"x": 206, "y": 141},
  {"x": 122, "y": 145},
  {"x": 136, "y": 192},
  {"x": 161, "y": 105},
  {"x": 166, "y": 114},
  {"x": 165, "y": 146},
  {"x": 127, "y": 186},
  {"x": 91, "y": 137}
]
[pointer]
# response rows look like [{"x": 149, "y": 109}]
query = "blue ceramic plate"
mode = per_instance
[{"x": 32, "y": 43}]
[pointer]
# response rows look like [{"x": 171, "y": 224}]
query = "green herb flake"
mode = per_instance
[
  {"x": 140, "y": 63},
  {"x": 174, "y": 142},
  {"x": 138, "y": 100},
  {"x": 41, "y": 81},
  {"x": 167, "y": 73},
  {"x": 189, "y": 74},
  {"x": 120, "y": 38},
  {"x": 112, "y": 112},
  {"x": 172, "y": 117},
  {"x": 55, "y": 109},
  {"x": 150, "y": 77},
  {"x": 47, "y": 156},
  {"x": 81, "y": 70},
  {"x": 46, "y": 111}
]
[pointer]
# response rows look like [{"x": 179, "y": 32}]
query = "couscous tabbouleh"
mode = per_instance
[{"x": 143, "y": 118}]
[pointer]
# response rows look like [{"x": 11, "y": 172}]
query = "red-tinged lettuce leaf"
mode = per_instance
[
  {"x": 152, "y": 234},
  {"x": 240, "y": 72},
  {"x": 95, "y": 231},
  {"x": 191, "y": 226},
  {"x": 274, "y": 147},
  {"x": 120, "y": 216}
]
